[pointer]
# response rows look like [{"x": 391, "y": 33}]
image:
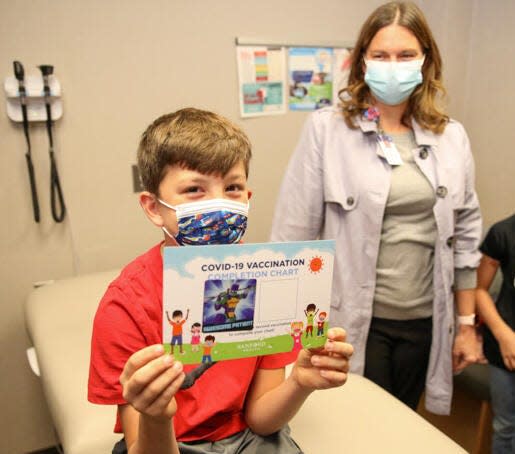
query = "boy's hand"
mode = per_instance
[
  {"x": 507, "y": 347},
  {"x": 150, "y": 380},
  {"x": 325, "y": 367}
]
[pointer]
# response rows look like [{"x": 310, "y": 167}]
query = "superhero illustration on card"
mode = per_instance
[{"x": 229, "y": 305}]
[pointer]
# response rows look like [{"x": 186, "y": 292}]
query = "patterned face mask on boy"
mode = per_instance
[
  {"x": 214, "y": 221},
  {"x": 392, "y": 82}
]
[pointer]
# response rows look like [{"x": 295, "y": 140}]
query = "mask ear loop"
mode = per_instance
[
  {"x": 174, "y": 239},
  {"x": 163, "y": 228},
  {"x": 167, "y": 205}
]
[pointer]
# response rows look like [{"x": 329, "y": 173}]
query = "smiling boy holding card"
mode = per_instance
[{"x": 194, "y": 167}]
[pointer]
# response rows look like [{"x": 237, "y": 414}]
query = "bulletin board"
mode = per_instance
[{"x": 276, "y": 77}]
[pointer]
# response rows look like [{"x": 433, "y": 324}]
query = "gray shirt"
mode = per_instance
[{"x": 404, "y": 278}]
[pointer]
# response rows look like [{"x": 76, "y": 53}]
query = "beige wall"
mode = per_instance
[
  {"x": 489, "y": 106},
  {"x": 121, "y": 64},
  {"x": 476, "y": 38}
]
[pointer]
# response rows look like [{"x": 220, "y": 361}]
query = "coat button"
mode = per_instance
[
  {"x": 441, "y": 191},
  {"x": 350, "y": 200},
  {"x": 450, "y": 241},
  {"x": 423, "y": 153}
]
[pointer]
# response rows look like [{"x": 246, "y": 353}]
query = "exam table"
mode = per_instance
[{"x": 357, "y": 418}]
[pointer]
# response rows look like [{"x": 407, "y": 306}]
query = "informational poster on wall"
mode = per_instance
[
  {"x": 261, "y": 80},
  {"x": 310, "y": 72},
  {"x": 235, "y": 301}
]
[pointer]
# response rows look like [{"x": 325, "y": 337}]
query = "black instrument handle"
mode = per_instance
[
  {"x": 33, "y": 190},
  {"x": 56, "y": 193},
  {"x": 19, "y": 72},
  {"x": 49, "y": 123}
]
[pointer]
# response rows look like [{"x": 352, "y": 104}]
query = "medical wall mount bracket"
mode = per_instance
[{"x": 35, "y": 98}]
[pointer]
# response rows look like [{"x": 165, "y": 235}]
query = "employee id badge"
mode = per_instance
[{"x": 389, "y": 150}]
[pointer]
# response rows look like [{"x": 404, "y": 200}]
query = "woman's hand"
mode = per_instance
[
  {"x": 150, "y": 380},
  {"x": 325, "y": 367},
  {"x": 467, "y": 348}
]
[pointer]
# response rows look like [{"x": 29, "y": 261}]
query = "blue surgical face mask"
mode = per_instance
[
  {"x": 214, "y": 221},
  {"x": 392, "y": 82}
]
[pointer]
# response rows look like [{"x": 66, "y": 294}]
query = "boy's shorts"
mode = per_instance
[
  {"x": 176, "y": 340},
  {"x": 244, "y": 442}
]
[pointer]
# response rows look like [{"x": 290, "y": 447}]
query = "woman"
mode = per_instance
[{"x": 390, "y": 177}]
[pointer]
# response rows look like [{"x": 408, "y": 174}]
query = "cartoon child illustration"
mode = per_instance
[
  {"x": 177, "y": 321},
  {"x": 311, "y": 311},
  {"x": 229, "y": 299},
  {"x": 195, "y": 337},
  {"x": 320, "y": 323},
  {"x": 296, "y": 334},
  {"x": 209, "y": 342}
]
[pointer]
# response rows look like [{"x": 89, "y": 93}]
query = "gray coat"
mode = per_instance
[{"x": 336, "y": 186}]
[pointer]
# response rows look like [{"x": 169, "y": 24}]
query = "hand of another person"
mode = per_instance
[
  {"x": 482, "y": 358},
  {"x": 325, "y": 367},
  {"x": 507, "y": 346},
  {"x": 150, "y": 380},
  {"x": 467, "y": 348}
]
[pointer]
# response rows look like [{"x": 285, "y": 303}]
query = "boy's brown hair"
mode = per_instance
[{"x": 194, "y": 139}]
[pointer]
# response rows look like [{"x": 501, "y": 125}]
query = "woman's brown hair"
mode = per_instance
[{"x": 423, "y": 103}]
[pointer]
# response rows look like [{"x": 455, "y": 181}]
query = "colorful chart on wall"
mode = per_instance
[
  {"x": 310, "y": 71},
  {"x": 261, "y": 80}
]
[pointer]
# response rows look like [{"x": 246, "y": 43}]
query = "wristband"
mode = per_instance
[{"x": 467, "y": 319}]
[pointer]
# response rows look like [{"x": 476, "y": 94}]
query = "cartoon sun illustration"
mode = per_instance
[{"x": 316, "y": 264}]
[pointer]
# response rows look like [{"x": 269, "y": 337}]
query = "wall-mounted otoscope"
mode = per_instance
[
  {"x": 56, "y": 193},
  {"x": 19, "y": 73}
]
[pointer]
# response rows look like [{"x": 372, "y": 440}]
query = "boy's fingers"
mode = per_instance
[
  {"x": 148, "y": 394},
  {"x": 340, "y": 348},
  {"x": 335, "y": 377},
  {"x": 336, "y": 363},
  {"x": 135, "y": 383},
  {"x": 163, "y": 400},
  {"x": 140, "y": 358},
  {"x": 337, "y": 334}
]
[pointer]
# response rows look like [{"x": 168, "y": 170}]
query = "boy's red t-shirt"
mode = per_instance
[{"x": 128, "y": 319}]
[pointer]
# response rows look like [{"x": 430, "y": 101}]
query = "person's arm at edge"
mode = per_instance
[
  {"x": 272, "y": 401},
  {"x": 486, "y": 307}
]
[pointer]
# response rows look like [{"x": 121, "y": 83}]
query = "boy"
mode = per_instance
[
  {"x": 176, "y": 322},
  {"x": 310, "y": 311},
  {"x": 194, "y": 168},
  {"x": 209, "y": 342}
]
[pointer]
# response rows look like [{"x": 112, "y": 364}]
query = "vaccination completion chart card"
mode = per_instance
[{"x": 234, "y": 301}]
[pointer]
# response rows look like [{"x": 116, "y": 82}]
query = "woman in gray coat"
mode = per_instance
[{"x": 391, "y": 178}]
